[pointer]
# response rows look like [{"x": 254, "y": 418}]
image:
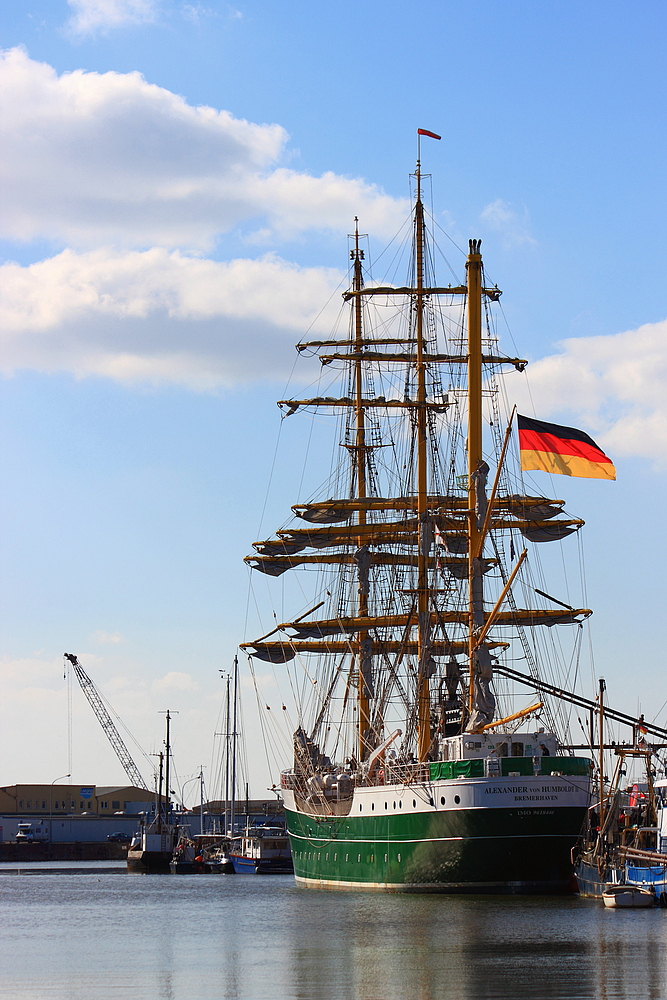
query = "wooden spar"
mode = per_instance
[
  {"x": 494, "y": 614},
  {"x": 359, "y": 466},
  {"x": 489, "y": 508},
  {"x": 423, "y": 694},
  {"x": 511, "y": 718},
  {"x": 475, "y": 457},
  {"x": 278, "y": 628}
]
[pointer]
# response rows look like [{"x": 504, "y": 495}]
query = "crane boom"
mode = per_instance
[{"x": 107, "y": 723}]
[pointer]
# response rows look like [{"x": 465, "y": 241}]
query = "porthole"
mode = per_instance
[
  {"x": 442, "y": 800},
  {"x": 319, "y": 856},
  {"x": 385, "y": 805},
  {"x": 394, "y": 803},
  {"x": 372, "y": 806},
  {"x": 414, "y": 803},
  {"x": 398, "y": 856},
  {"x": 358, "y": 858},
  {"x": 400, "y": 805},
  {"x": 372, "y": 858},
  {"x": 347, "y": 856},
  {"x": 335, "y": 857},
  {"x": 360, "y": 807},
  {"x": 385, "y": 859},
  {"x": 457, "y": 799},
  {"x": 326, "y": 857}
]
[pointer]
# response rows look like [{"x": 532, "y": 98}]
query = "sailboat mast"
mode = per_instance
[
  {"x": 423, "y": 695},
  {"x": 475, "y": 457},
  {"x": 235, "y": 689},
  {"x": 227, "y": 737},
  {"x": 359, "y": 463},
  {"x": 167, "y": 745}
]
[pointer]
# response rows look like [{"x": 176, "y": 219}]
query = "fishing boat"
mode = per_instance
[
  {"x": 152, "y": 847},
  {"x": 418, "y": 765},
  {"x": 262, "y": 850},
  {"x": 624, "y": 843}
]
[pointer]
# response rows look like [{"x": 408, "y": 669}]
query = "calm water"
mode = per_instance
[{"x": 177, "y": 937}]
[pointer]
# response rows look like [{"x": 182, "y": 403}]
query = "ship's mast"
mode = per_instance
[
  {"x": 475, "y": 457},
  {"x": 423, "y": 602},
  {"x": 362, "y": 652}
]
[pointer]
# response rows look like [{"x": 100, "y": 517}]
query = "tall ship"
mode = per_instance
[{"x": 429, "y": 664}]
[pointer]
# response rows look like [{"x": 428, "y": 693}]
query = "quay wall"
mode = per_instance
[{"x": 63, "y": 852}]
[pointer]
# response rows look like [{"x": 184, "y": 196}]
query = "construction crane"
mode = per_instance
[{"x": 107, "y": 723}]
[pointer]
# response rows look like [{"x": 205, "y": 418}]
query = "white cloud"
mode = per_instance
[
  {"x": 98, "y": 158},
  {"x": 91, "y": 16},
  {"x": 614, "y": 384},
  {"x": 106, "y": 637},
  {"x": 160, "y": 316},
  {"x": 513, "y": 226},
  {"x": 175, "y": 680}
]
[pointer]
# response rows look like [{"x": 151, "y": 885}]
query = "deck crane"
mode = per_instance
[{"x": 107, "y": 723}]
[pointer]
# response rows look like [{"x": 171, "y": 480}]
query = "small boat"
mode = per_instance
[
  {"x": 628, "y": 897},
  {"x": 202, "y": 854},
  {"x": 262, "y": 850}
]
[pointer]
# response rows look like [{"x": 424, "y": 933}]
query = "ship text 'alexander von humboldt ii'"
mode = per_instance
[{"x": 418, "y": 764}]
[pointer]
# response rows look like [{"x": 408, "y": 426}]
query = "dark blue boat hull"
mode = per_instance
[{"x": 261, "y": 866}]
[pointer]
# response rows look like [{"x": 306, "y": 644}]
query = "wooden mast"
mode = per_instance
[
  {"x": 475, "y": 458},
  {"x": 359, "y": 464},
  {"x": 423, "y": 694}
]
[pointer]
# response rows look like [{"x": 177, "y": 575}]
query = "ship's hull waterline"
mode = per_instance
[{"x": 521, "y": 842}]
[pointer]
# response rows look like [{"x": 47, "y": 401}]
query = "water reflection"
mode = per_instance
[{"x": 260, "y": 938}]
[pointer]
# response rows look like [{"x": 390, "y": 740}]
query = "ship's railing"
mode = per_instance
[{"x": 393, "y": 774}]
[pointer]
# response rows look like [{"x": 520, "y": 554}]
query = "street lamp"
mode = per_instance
[
  {"x": 51, "y": 805},
  {"x": 198, "y": 777}
]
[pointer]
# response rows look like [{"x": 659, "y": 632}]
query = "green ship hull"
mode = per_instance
[{"x": 519, "y": 848}]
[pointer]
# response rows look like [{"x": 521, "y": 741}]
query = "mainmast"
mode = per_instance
[
  {"x": 425, "y": 532},
  {"x": 364, "y": 645}
]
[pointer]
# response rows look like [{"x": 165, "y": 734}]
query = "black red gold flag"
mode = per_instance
[{"x": 563, "y": 450}]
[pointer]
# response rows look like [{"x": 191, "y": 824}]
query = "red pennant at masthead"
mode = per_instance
[
  {"x": 424, "y": 131},
  {"x": 563, "y": 450}
]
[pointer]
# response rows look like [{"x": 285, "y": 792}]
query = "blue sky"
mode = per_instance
[{"x": 159, "y": 260}]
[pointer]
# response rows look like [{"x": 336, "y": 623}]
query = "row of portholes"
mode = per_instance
[
  {"x": 386, "y": 805},
  {"x": 310, "y": 856},
  {"x": 431, "y": 802}
]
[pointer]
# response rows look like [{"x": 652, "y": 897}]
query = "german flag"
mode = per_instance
[{"x": 564, "y": 450}]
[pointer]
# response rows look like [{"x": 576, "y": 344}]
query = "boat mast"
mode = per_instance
[
  {"x": 226, "y": 830},
  {"x": 159, "y": 795},
  {"x": 601, "y": 757},
  {"x": 423, "y": 609},
  {"x": 167, "y": 745},
  {"x": 235, "y": 688},
  {"x": 475, "y": 457},
  {"x": 362, "y": 651}
]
